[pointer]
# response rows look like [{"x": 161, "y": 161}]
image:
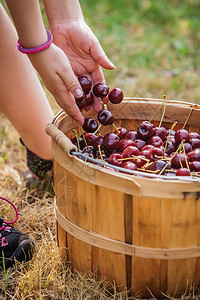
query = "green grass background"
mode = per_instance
[{"x": 154, "y": 45}]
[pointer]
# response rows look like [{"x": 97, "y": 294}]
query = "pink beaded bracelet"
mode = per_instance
[{"x": 38, "y": 48}]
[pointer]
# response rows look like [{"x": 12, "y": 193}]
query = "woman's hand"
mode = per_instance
[
  {"x": 55, "y": 70},
  {"x": 83, "y": 50}
]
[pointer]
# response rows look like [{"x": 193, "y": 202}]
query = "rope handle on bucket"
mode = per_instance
[{"x": 15, "y": 208}]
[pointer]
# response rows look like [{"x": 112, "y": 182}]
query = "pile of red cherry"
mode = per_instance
[
  {"x": 100, "y": 90},
  {"x": 149, "y": 149}
]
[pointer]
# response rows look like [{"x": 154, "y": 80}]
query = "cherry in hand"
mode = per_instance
[
  {"x": 80, "y": 102},
  {"x": 85, "y": 83},
  {"x": 89, "y": 99},
  {"x": 100, "y": 90},
  {"x": 116, "y": 96}
]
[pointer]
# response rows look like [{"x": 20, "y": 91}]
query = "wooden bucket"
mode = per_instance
[{"x": 143, "y": 233}]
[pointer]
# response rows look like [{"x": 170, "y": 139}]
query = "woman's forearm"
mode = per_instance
[
  {"x": 58, "y": 10},
  {"x": 28, "y": 21}
]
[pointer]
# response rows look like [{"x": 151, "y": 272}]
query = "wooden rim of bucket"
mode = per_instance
[{"x": 97, "y": 240}]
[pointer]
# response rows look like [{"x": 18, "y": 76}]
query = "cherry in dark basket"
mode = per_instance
[{"x": 90, "y": 125}]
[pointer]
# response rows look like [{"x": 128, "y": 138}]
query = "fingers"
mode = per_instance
[
  {"x": 100, "y": 57},
  {"x": 71, "y": 81},
  {"x": 97, "y": 76},
  {"x": 67, "y": 102}
]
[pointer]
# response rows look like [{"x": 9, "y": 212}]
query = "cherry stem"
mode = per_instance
[
  {"x": 83, "y": 136},
  {"x": 105, "y": 106},
  {"x": 98, "y": 129},
  {"x": 169, "y": 135},
  {"x": 156, "y": 111},
  {"x": 116, "y": 127},
  {"x": 172, "y": 171},
  {"x": 162, "y": 157},
  {"x": 148, "y": 171},
  {"x": 149, "y": 164},
  {"x": 191, "y": 110},
  {"x": 186, "y": 158},
  {"x": 131, "y": 157},
  {"x": 178, "y": 149},
  {"x": 125, "y": 158},
  {"x": 77, "y": 136},
  {"x": 164, "y": 108},
  {"x": 99, "y": 148}
]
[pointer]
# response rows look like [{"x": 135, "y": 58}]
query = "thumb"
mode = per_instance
[{"x": 100, "y": 57}]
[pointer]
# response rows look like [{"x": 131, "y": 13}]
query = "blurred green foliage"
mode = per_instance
[{"x": 149, "y": 40}]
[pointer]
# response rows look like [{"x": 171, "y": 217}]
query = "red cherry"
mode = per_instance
[
  {"x": 140, "y": 143},
  {"x": 80, "y": 102},
  {"x": 132, "y": 135},
  {"x": 183, "y": 172},
  {"x": 155, "y": 165},
  {"x": 90, "y": 138},
  {"x": 194, "y": 155},
  {"x": 155, "y": 154},
  {"x": 121, "y": 132},
  {"x": 129, "y": 165},
  {"x": 145, "y": 130},
  {"x": 105, "y": 117},
  {"x": 171, "y": 132},
  {"x": 115, "y": 96},
  {"x": 113, "y": 159},
  {"x": 181, "y": 134},
  {"x": 188, "y": 147},
  {"x": 155, "y": 140},
  {"x": 90, "y": 125},
  {"x": 100, "y": 90},
  {"x": 194, "y": 166},
  {"x": 85, "y": 83},
  {"x": 89, "y": 99},
  {"x": 161, "y": 132},
  {"x": 129, "y": 151},
  {"x": 172, "y": 139},
  {"x": 111, "y": 142},
  {"x": 140, "y": 160},
  {"x": 195, "y": 143},
  {"x": 80, "y": 141},
  {"x": 194, "y": 135},
  {"x": 125, "y": 143},
  {"x": 179, "y": 161},
  {"x": 145, "y": 150},
  {"x": 170, "y": 147},
  {"x": 98, "y": 142}
]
